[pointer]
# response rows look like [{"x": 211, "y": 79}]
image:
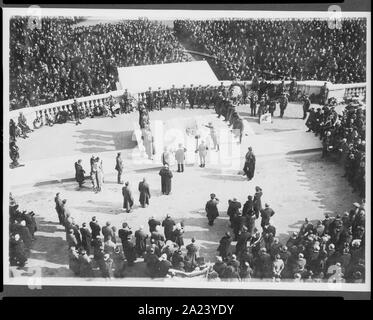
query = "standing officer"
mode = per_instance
[
  {"x": 119, "y": 167},
  {"x": 191, "y": 96},
  {"x": 75, "y": 107}
]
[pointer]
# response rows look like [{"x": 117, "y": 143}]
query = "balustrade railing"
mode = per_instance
[{"x": 339, "y": 91}]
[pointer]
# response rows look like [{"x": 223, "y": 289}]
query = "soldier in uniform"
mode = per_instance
[
  {"x": 111, "y": 106},
  {"x": 283, "y": 104},
  {"x": 253, "y": 103},
  {"x": 183, "y": 97},
  {"x": 150, "y": 99},
  {"x": 173, "y": 96},
  {"x": 158, "y": 99},
  {"x": 75, "y": 107},
  {"x": 191, "y": 96}
]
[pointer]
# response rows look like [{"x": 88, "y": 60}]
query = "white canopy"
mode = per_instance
[{"x": 140, "y": 78}]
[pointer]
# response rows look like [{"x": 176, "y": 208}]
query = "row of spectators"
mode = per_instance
[
  {"x": 22, "y": 227},
  {"x": 343, "y": 139},
  {"x": 60, "y": 60},
  {"x": 304, "y": 49},
  {"x": 329, "y": 250}
]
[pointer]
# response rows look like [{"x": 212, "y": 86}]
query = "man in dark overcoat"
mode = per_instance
[
  {"x": 211, "y": 209},
  {"x": 144, "y": 193},
  {"x": 168, "y": 225},
  {"x": 166, "y": 176}
]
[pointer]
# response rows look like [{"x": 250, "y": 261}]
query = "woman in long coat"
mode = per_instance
[
  {"x": 127, "y": 197},
  {"x": 166, "y": 176},
  {"x": 79, "y": 173},
  {"x": 144, "y": 193}
]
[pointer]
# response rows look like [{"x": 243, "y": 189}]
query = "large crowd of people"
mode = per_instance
[
  {"x": 332, "y": 249},
  {"x": 343, "y": 139},
  {"x": 304, "y": 49},
  {"x": 62, "y": 60}
]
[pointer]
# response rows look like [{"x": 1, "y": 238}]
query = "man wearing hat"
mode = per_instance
[
  {"x": 249, "y": 167},
  {"x": 242, "y": 239},
  {"x": 140, "y": 241},
  {"x": 95, "y": 227},
  {"x": 168, "y": 224},
  {"x": 192, "y": 251},
  {"x": 166, "y": 179},
  {"x": 211, "y": 209},
  {"x": 124, "y": 233},
  {"x": 119, "y": 167},
  {"x": 144, "y": 190},
  {"x": 86, "y": 238},
  {"x": 127, "y": 197},
  {"x": 233, "y": 208}
]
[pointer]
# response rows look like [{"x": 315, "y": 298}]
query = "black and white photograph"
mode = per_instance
[{"x": 187, "y": 148}]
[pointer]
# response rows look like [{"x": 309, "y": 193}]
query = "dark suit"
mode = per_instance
[
  {"x": 96, "y": 229},
  {"x": 119, "y": 168},
  {"x": 144, "y": 193},
  {"x": 266, "y": 215},
  {"x": 168, "y": 225},
  {"x": 86, "y": 239}
]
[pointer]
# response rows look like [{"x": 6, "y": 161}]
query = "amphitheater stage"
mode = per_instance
[{"x": 295, "y": 181}]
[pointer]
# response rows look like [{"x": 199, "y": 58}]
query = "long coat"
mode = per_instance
[
  {"x": 144, "y": 193},
  {"x": 249, "y": 167},
  {"x": 96, "y": 229},
  {"x": 140, "y": 245},
  {"x": 168, "y": 225},
  {"x": 127, "y": 198},
  {"x": 166, "y": 176},
  {"x": 79, "y": 173},
  {"x": 211, "y": 209},
  {"x": 224, "y": 248},
  {"x": 177, "y": 237},
  {"x": 86, "y": 239},
  {"x": 258, "y": 202}
]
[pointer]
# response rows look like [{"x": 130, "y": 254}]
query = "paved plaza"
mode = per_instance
[{"x": 295, "y": 181}]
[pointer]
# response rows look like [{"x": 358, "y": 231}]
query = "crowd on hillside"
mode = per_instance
[
  {"x": 331, "y": 250},
  {"x": 304, "y": 49},
  {"x": 343, "y": 139},
  {"x": 62, "y": 60}
]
